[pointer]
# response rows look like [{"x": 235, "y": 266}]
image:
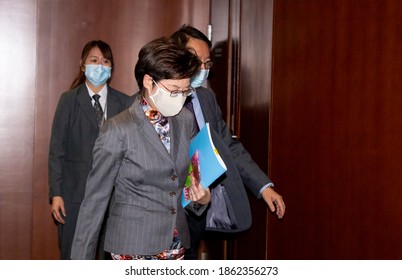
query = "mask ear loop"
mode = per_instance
[{"x": 153, "y": 82}]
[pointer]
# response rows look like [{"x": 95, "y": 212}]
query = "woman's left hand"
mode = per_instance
[{"x": 198, "y": 194}]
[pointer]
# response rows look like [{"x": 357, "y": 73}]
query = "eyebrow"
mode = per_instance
[{"x": 95, "y": 56}]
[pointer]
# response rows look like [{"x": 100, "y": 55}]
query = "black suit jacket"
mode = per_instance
[
  {"x": 241, "y": 169},
  {"x": 74, "y": 132}
]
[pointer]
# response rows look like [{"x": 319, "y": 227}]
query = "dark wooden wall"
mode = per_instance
[
  {"x": 41, "y": 43},
  {"x": 254, "y": 96},
  {"x": 242, "y": 36},
  {"x": 336, "y": 132},
  {"x": 323, "y": 118}
]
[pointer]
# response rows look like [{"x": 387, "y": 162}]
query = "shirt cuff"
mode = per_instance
[{"x": 269, "y": 185}]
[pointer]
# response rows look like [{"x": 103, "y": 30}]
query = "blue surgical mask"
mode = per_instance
[
  {"x": 97, "y": 74},
  {"x": 198, "y": 79}
]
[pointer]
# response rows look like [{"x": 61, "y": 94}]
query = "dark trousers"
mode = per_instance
[{"x": 196, "y": 226}]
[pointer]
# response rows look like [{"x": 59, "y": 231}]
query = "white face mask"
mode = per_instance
[{"x": 168, "y": 106}]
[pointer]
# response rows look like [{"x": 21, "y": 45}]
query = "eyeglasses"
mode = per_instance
[
  {"x": 175, "y": 93},
  {"x": 208, "y": 64}
]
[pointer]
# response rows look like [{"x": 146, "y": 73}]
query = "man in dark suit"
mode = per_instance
[
  {"x": 229, "y": 210},
  {"x": 75, "y": 129}
]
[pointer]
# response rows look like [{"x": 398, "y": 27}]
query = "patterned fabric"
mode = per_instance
[
  {"x": 176, "y": 250},
  {"x": 160, "y": 123}
]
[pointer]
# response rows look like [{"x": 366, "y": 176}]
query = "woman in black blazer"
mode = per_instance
[{"x": 79, "y": 114}]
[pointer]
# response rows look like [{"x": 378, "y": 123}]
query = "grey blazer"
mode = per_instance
[
  {"x": 148, "y": 185},
  {"x": 242, "y": 170}
]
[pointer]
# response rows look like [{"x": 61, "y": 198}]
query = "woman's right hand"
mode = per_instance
[{"x": 58, "y": 210}]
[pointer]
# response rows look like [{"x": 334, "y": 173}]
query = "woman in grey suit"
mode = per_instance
[
  {"x": 75, "y": 129},
  {"x": 143, "y": 153}
]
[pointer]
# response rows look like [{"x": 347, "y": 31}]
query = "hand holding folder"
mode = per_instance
[{"x": 206, "y": 163}]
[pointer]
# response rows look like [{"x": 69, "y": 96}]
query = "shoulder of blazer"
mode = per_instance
[
  {"x": 73, "y": 93},
  {"x": 116, "y": 101},
  {"x": 205, "y": 93},
  {"x": 206, "y": 98},
  {"x": 69, "y": 99},
  {"x": 115, "y": 93},
  {"x": 135, "y": 110}
]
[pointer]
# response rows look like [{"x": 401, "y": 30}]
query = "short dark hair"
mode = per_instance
[
  {"x": 186, "y": 32},
  {"x": 163, "y": 59},
  {"x": 106, "y": 52}
]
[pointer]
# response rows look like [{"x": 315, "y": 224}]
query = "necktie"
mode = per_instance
[
  {"x": 189, "y": 105},
  {"x": 98, "y": 109}
]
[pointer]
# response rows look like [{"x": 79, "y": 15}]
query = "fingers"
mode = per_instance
[
  {"x": 200, "y": 195},
  {"x": 58, "y": 210},
  {"x": 280, "y": 208},
  {"x": 58, "y": 215},
  {"x": 63, "y": 210},
  {"x": 275, "y": 202},
  {"x": 196, "y": 193},
  {"x": 271, "y": 205}
]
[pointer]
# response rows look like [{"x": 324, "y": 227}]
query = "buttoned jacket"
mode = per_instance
[{"x": 148, "y": 183}]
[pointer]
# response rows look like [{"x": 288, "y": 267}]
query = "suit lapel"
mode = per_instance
[
  {"x": 203, "y": 105},
  {"x": 85, "y": 102},
  {"x": 175, "y": 132},
  {"x": 147, "y": 129},
  {"x": 112, "y": 103}
]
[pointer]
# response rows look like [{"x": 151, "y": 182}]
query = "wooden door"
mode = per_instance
[
  {"x": 241, "y": 79},
  {"x": 336, "y": 133}
]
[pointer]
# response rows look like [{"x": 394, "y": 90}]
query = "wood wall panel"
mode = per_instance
[
  {"x": 336, "y": 137},
  {"x": 254, "y": 107},
  {"x": 242, "y": 33},
  {"x": 219, "y": 76},
  {"x": 17, "y": 99},
  {"x": 16, "y": 225}
]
